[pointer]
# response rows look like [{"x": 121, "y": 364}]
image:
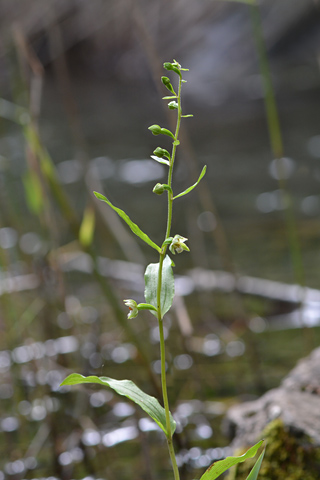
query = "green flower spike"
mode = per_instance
[
  {"x": 133, "y": 308},
  {"x": 177, "y": 245}
]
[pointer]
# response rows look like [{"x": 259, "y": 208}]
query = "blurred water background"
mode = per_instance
[{"x": 80, "y": 85}]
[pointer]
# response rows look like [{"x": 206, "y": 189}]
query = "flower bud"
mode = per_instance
[
  {"x": 166, "y": 82},
  {"x": 158, "y": 189},
  {"x": 161, "y": 152},
  {"x": 155, "y": 129},
  {"x": 173, "y": 67}
]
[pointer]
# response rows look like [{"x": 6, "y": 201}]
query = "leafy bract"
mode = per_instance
[
  {"x": 160, "y": 160},
  {"x": 167, "y": 285},
  {"x": 130, "y": 390},
  {"x": 221, "y": 466},
  {"x": 136, "y": 230},
  {"x": 253, "y": 475},
  {"x": 192, "y": 186}
]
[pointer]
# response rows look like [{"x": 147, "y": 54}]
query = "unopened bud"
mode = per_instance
[
  {"x": 166, "y": 82},
  {"x": 158, "y": 189},
  {"x": 171, "y": 66},
  {"x": 161, "y": 152},
  {"x": 155, "y": 129}
]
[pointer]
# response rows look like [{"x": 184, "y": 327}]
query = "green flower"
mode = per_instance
[
  {"x": 133, "y": 308},
  {"x": 177, "y": 245}
]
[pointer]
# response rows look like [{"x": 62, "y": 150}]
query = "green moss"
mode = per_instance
[{"x": 287, "y": 457}]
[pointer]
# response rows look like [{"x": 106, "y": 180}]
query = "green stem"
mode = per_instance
[
  {"x": 173, "y": 155},
  {"x": 159, "y": 313}
]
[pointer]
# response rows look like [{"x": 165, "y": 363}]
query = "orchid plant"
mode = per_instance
[{"x": 160, "y": 289}]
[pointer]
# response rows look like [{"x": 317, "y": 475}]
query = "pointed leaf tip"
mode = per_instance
[
  {"x": 202, "y": 174},
  {"x": 134, "y": 228},
  {"x": 253, "y": 475},
  {"x": 221, "y": 466}
]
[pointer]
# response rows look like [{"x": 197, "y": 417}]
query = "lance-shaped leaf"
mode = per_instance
[
  {"x": 221, "y": 466},
  {"x": 167, "y": 285},
  {"x": 136, "y": 230},
  {"x": 130, "y": 390},
  {"x": 253, "y": 475},
  {"x": 192, "y": 186}
]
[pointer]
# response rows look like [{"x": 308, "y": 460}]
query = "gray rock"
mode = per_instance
[{"x": 296, "y": 402}]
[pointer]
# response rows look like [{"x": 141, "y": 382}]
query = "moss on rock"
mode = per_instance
[{"x": 289, "y": 456}]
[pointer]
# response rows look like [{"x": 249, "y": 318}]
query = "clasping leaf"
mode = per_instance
[
  {"x": 167, "y": 285},
  {"x": 160, "y": 160}
]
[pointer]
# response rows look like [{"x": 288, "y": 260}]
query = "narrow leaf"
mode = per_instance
[
  {"x": 253, "y": 475},
  {"x": 136, "y": 230},
  {"x": 187, "y": 116},
  {"x": 193, "y": 186},
  {"x": 167, "y": 286},
  {"x": 130, "y": 390},
  {"x": 170, "y": 98},
  {"x": 160, "y": 160},
  {"x": 221, "y": 466}
]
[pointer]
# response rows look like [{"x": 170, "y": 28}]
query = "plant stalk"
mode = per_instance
[{"x": 159, "y": 313}]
